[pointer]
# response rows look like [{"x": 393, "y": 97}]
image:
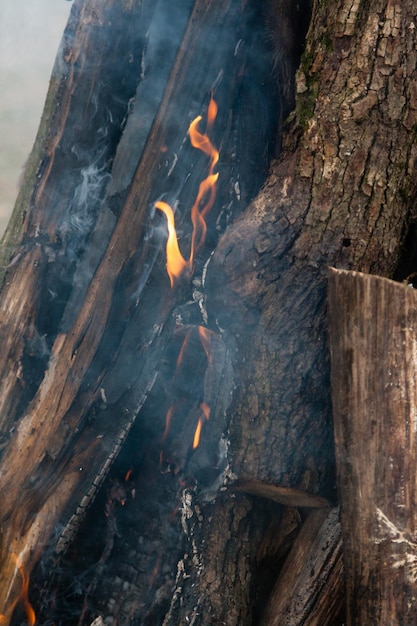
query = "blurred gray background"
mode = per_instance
[{"x": 30, "y": 32}]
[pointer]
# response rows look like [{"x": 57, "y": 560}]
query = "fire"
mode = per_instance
[
  {"x": 180, "y": 356},
  {"x": 176, "y": 264},
  {"x": 204, "y": 334},
  {"x": 23, "y": 596},
  {"x": 197, "y": 435},
  {"x": 168, "y": 419},
  {"x": 206, "y": 338}
]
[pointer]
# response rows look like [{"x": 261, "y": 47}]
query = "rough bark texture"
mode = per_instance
[
  {"x": 372, "y": 324},
  {"x": 339, "y": 194}
]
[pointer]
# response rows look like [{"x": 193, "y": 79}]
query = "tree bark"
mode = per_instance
[
  {"x": 372, "y": 324},
  {"x": 338, "y": 194}
]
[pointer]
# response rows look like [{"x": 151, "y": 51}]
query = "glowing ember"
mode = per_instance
[
  {"x": 176, "y": 264},
  {"x": 23, "y": 596}
]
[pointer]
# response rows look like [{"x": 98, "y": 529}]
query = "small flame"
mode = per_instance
[
  {"x": 183, "y": 347},
  {"x": 204, "y": 334},
  {"x": 176, "y": 264},
  {"x": 23, "y": 596},
  {"x": 197, "y": 435},
  {"x": 168, "y": 419}
]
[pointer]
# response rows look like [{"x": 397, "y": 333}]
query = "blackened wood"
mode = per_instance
[
  {"x": 64, "y": 185},
  {"x": 106, "y": 355},
  {"x": 372, "y": 326},
  {"x": 310, "y": 589},
  {"x": 269, "y": 269}
]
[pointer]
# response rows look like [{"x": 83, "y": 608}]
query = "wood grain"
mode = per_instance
[{"x": 373, "y": 343}]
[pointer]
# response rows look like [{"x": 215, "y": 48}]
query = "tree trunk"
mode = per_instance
[
  {"x": 339, "y": 193},
  {"x": 372, "y": 325}
]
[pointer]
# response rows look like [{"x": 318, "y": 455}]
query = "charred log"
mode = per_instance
[{"x": 108, "y": 342}]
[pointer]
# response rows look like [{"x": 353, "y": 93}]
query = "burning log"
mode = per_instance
[
  {"x": 372, "y": 324},
  {"x": 75, "y": 417},
  {"x": 209, "y": 380}
]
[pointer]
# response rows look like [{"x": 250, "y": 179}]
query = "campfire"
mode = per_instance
[{"x": 166, "y": 426}]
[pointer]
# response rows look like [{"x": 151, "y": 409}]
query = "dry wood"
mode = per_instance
[
  {"x": 289, "y": 496},
  {"x": 373, "y": 342}
]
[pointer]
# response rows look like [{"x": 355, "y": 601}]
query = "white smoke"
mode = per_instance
[{"x": 30, "y": 33}]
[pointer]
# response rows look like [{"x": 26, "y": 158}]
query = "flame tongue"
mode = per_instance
[
  {"x": 197, "y": 435},
  {"x": 23, "y": 596},
  {"x": 176, "y": 264}
]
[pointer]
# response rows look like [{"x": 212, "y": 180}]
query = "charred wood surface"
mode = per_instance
[
  {"x": 63, "y": 188},
  {"x": 107, "y": 344},
  {"x": 372, "y": 324}
]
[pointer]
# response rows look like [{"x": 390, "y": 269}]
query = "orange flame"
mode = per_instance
[
  {"x": 197, "y": 435},
  {"x": 168, "y": 419},
  {"x": 176, "y": 264},
  {"x": 205, "y": 339},
  {"x": 183, "y": 347},
  {"x": 23, "y": 596}
]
